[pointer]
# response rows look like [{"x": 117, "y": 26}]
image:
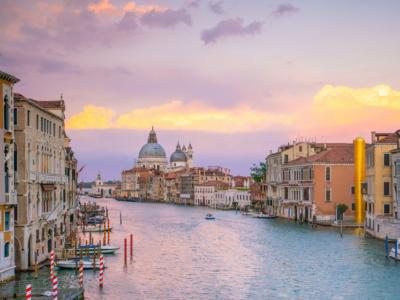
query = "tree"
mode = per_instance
[
  {"x": 341, "y": 209},
  {"x": 258, "y": 172}
]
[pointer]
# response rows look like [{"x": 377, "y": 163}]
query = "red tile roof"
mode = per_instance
[
  {"x": 215, "y": 183},
  {"x": 335, "y": 155}
]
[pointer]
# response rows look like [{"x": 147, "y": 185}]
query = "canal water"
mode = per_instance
[{"x": 180, "y": 255}]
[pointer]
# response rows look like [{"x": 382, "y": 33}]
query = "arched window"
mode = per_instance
[
  {"x": 328, "y": 173},
  {"x": 6, "y": 113},
  {"x": 7, "y": 249}
]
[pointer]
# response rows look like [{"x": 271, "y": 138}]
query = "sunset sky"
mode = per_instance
[{"x": 235, "y": 78}]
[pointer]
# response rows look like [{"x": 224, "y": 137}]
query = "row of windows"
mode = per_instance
[
  {"x": 42, "y": 124},
  {"x": 371, "y": 159}
]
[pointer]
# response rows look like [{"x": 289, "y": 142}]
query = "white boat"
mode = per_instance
[
  {"x": 264, "y": 216},
  {"x": 392, "y": 253},
  {"x": 95, "y": 229},
  {"x": 73, "y": 263},
  {"x": 105, "y": 249}
]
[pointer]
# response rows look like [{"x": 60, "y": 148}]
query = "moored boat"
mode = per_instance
[
  {"x": 105, "y": 249},
  {"x": 264, "y": 216},
  {"x": 395, "y": 251},
  {"x": 74, "y": 263},
  {"x": 96, "y": 229}
]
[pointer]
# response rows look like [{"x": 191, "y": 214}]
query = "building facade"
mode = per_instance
[
  {"x": 102, "y": 189},
  {"x": 313, "y": 186},
  {"x": 8, "y": 197},
  {"x": 380, "y": 212},
  {"x": 44, "y": 207}
]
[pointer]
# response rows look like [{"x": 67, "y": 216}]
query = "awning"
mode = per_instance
[{"x": 48, "y": 187}]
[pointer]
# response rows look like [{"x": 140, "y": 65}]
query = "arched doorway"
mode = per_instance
[{"x": 295, "y": 213}]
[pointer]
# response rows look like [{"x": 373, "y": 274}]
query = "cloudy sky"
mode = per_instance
[{"x": 235, "y": 78}]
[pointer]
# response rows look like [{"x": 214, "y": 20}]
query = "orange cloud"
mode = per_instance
[
  {"x": 176, "y": 115},
  {"x": 346, "y": 106},
  {"x": 92, "y": 117},
  {"x": 336, "y": 110},
  {"x": 142, "y": 9},
  {"x": 103, "y": 7}
]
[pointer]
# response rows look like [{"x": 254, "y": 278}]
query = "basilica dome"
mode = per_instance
[
  {"x": 178, "y": 155},
  {"x": 152, "y": 149}
]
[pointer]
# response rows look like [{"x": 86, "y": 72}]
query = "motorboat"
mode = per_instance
[
  {"x": 105, "y": 249},
  {"x": 264, "y": 216},
  {"x": 74, "y": 263},
  {"x": 209, "y": 217},
  {"x": 93, "y": 228},
  {"x": 393, "y": 253}
]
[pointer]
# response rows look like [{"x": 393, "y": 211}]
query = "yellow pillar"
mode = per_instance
[{"x": 359, "y": 178}]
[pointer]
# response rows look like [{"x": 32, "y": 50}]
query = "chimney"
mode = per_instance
[{"x": 373, "y": 137}]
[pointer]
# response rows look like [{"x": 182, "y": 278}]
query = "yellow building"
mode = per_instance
[
  {"x": 380, "y": 219},
  {"x": 8, "y": 197}
]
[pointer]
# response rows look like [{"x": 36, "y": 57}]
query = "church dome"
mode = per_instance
[
  {"x": 152, "y": 149},
  {"x": 178, "y": 155}
]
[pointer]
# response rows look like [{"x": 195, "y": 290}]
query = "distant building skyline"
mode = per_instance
[{"x": 236, "y": 78}]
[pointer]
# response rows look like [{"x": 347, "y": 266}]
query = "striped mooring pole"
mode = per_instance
[
  {"x": 131, "y": 246},
  {"x": 81, "y": 274},
  {"x": 28, "y": 292},
  {"x": 55, "y": 288},
  {"x": 101, "y": 273},
  {"x": 52, "y": 257}
]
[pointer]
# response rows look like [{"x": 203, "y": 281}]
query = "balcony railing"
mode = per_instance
[
  {"x": 48, "y": 178},
  {"x": 11, "y": 198}
]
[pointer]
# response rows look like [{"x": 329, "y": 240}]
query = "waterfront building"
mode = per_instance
[
  {"x": 41, "y": 180},
  {"x": 396, "y": 177},
  {"x": 103, "y": 189},
  {"x": 380, "y": 213},
  {"x": 204, "y": 193},
  {"x": 8, "y": 197},
  {"x": 313, "y": 186},
  {"x": 232, "y": 198},
  {"x": 214, "y": 173},
  {"x": 72, "y": 203},
  {"x": 188, "y": 181}
]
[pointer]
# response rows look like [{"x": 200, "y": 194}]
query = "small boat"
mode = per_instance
[
  {"x": 209, "y": 217},
  {"x": 105, "y": 249},
  {"x": 73, "y": 263},
  {"x": 393, "y": 251},
  {"x": 95, "y": 229},
  {"x": 265, "y": 216}
]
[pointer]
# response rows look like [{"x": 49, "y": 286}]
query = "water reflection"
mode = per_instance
[{"x": 179, "y": 255}]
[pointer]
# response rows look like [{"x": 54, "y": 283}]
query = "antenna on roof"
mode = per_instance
[{"x": 61, "y": 97}]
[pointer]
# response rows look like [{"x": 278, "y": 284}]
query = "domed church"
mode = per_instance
[{"x": 152, "y": 155}]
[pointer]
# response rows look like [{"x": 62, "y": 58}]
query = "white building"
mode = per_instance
[
  {"x": 232, "y": 197},
  {"x": 102, "y": 189},
  {"x": 204, "y": 194}
]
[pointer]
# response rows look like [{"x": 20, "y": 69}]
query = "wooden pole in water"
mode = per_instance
[
  {"x": 90, "y": 237},
  {"x": 104, "y": 234},
  {"x": 125, "y": 250},
  {"x": 108, "y": 231},
  {"x": 131, "y": 246},
  {"x": 55, "y": 288},
  {"x": 120, "y": 218},
  {"x": 80, "y": 241}
]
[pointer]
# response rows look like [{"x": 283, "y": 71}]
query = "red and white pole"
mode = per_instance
[
  {"x": 52, "y": 258},
  {"x": 81, "y": 274},
  {"x": 101, "y": 273},
  {"x": 55, "y": 288},
  {"x": 28, "y": 292}
]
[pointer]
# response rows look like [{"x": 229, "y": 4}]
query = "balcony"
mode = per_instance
[
  {"x": 11, "y": 198},
  {"x": 49, "y": 178}
]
